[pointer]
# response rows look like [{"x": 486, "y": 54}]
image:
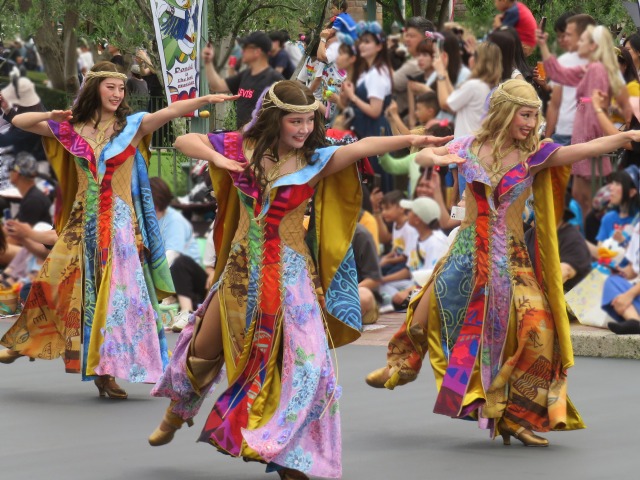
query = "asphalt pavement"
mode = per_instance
[{"x": 53, "y": 426}]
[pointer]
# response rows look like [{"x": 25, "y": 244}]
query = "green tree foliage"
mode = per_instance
[{"x": 611, "y": 13}]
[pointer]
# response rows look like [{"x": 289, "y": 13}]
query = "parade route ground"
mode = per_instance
[{"x": 56, "y": 427}]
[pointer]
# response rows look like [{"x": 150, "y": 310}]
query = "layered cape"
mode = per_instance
[
  {"x": 66, "y": 144},
  {"x": 336, "y": 205}
]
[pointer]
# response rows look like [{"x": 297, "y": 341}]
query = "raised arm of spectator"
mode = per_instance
[
  {"x": 216, "y": 82},
  {"x": 444, "y": 87},
  {"x": 325, "y": 36},
  {"x": 600, "y": 103},
  {"x": 397, "y": 125}
]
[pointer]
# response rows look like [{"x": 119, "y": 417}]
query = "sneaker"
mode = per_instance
[{"x": 180, "y": 321}]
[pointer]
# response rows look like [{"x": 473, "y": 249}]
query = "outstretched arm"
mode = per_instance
[
  {"x": 573, "y": 153},
  {"x": 152, "y": 121},
  {"x": 36, "y": 122},
  {"x": 374, "y": 146},
  {"x": 196, "y": 145}
]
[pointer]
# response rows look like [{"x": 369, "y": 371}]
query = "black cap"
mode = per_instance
[{"x": 258, "y": 39}]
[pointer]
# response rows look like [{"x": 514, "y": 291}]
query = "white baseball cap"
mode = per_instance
[{"x": 426, "y": 208}]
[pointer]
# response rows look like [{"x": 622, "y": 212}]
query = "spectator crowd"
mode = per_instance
[{"x": 428, "y": 81}]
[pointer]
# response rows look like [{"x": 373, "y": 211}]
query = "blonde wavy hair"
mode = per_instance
[
  {"x": 488, "y": 66},
  {"x": 605, "y": 54},
  {"x": 505, "y": 101}
]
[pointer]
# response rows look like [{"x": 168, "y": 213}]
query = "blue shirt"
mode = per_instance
[
  {"x": 609, "y": 222},
  {"x": 177, "y": 234}
]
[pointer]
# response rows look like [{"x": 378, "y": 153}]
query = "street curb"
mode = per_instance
[{"x": 598, "y": 342}]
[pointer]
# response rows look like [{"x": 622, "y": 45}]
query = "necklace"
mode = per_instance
[
  {"x": 100, "y": 132},
  {"x": 496, "y": 169},
  {"x": 274, "y": 174}
]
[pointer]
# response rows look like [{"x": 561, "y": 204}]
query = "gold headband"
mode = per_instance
[
  {"x": 288, "y": 107},
  {"x": 119, "y": 76},
  {"x": 500, "y": 96}
]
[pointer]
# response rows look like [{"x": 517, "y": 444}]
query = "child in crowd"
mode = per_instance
[
  {"x": 426, "y": 110},
  {"x": 517, "y": 15},
  {"x": 621, "y": 292},
  {"x": 431, "y": 243},
  {"x": 395, "y": 274}
]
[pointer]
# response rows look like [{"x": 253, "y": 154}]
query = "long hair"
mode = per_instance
[
  {"x": 605, "y": 54},
  {"x": 507, "y": 46},
  {"x": 495, "y": 127},
  {"x": 519, "y": 58},
  {"x": 625, "y": 60},
  {"x": 451, "y": 47},
  {"x": 87, "y": 107},
  {"x": 263, "y": 136},
  {"x": 488, "y": 66},
  {"x": 374, "y": 31}
]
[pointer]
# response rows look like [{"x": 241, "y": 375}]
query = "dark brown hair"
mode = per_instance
[
  {"x": 161, "y": 193},
  {"x": 264, "y": 134},
  {"x": 381, "y": 60},
  {"x": 88, "y": 103},
  {"x": 582, "y": 21}
]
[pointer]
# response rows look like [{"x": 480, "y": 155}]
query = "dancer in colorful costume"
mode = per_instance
[
  {"x": 280, "y": 301},
  {"x": 496, "y": 328},
  {"x": 94, "y": 300}
]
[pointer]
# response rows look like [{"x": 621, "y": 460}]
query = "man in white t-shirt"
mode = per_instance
[{"x": 561, "y": 110}]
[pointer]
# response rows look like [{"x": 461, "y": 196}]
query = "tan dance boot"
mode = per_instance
[
  {"x": 167, "y": 428},
  {"x": 107, "y": 386},
  {"x": 9, "y": 356},
  {"x": 526, "y": 436}
]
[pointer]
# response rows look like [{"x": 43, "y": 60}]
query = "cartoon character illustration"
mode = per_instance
[{"x": 178, "y": 28}]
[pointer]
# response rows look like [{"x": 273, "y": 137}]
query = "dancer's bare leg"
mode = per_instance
[{"x": 208, "y": 342}]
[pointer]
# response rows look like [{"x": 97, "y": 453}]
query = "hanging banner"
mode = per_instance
[{"x": 177, "y": 25}]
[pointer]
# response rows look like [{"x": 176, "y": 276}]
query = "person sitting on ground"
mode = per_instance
[
  {"x": 621, "y": 292},
  {"x": 431, "y": 244},
  {"x": 36, "y": 244},
  {"x": 624, "y": 205},
  {"x": 396, "y": 275},
  {"x": 183, "y": 253},
  {"x": 34, "y": 207}
]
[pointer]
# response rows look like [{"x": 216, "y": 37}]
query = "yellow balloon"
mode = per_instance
[{"x": 204, "y": 114}]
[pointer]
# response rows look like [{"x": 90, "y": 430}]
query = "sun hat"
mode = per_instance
[{"x": 21, "y": 92}]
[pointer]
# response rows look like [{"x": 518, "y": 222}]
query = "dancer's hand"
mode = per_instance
[
  {"x": 430, "y": 140},
  {"x": 220, "y": 97},
  {"x": 428, "y": 158},
  {"x": 60, "y": 115},
  {"x": 221, "y": 161}
]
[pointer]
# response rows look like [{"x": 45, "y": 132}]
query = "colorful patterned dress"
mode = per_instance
[
  {"x": 94, "y": 300},
  {"x": 281, "y": 406},
  {"x": 497, "y": 334}
]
